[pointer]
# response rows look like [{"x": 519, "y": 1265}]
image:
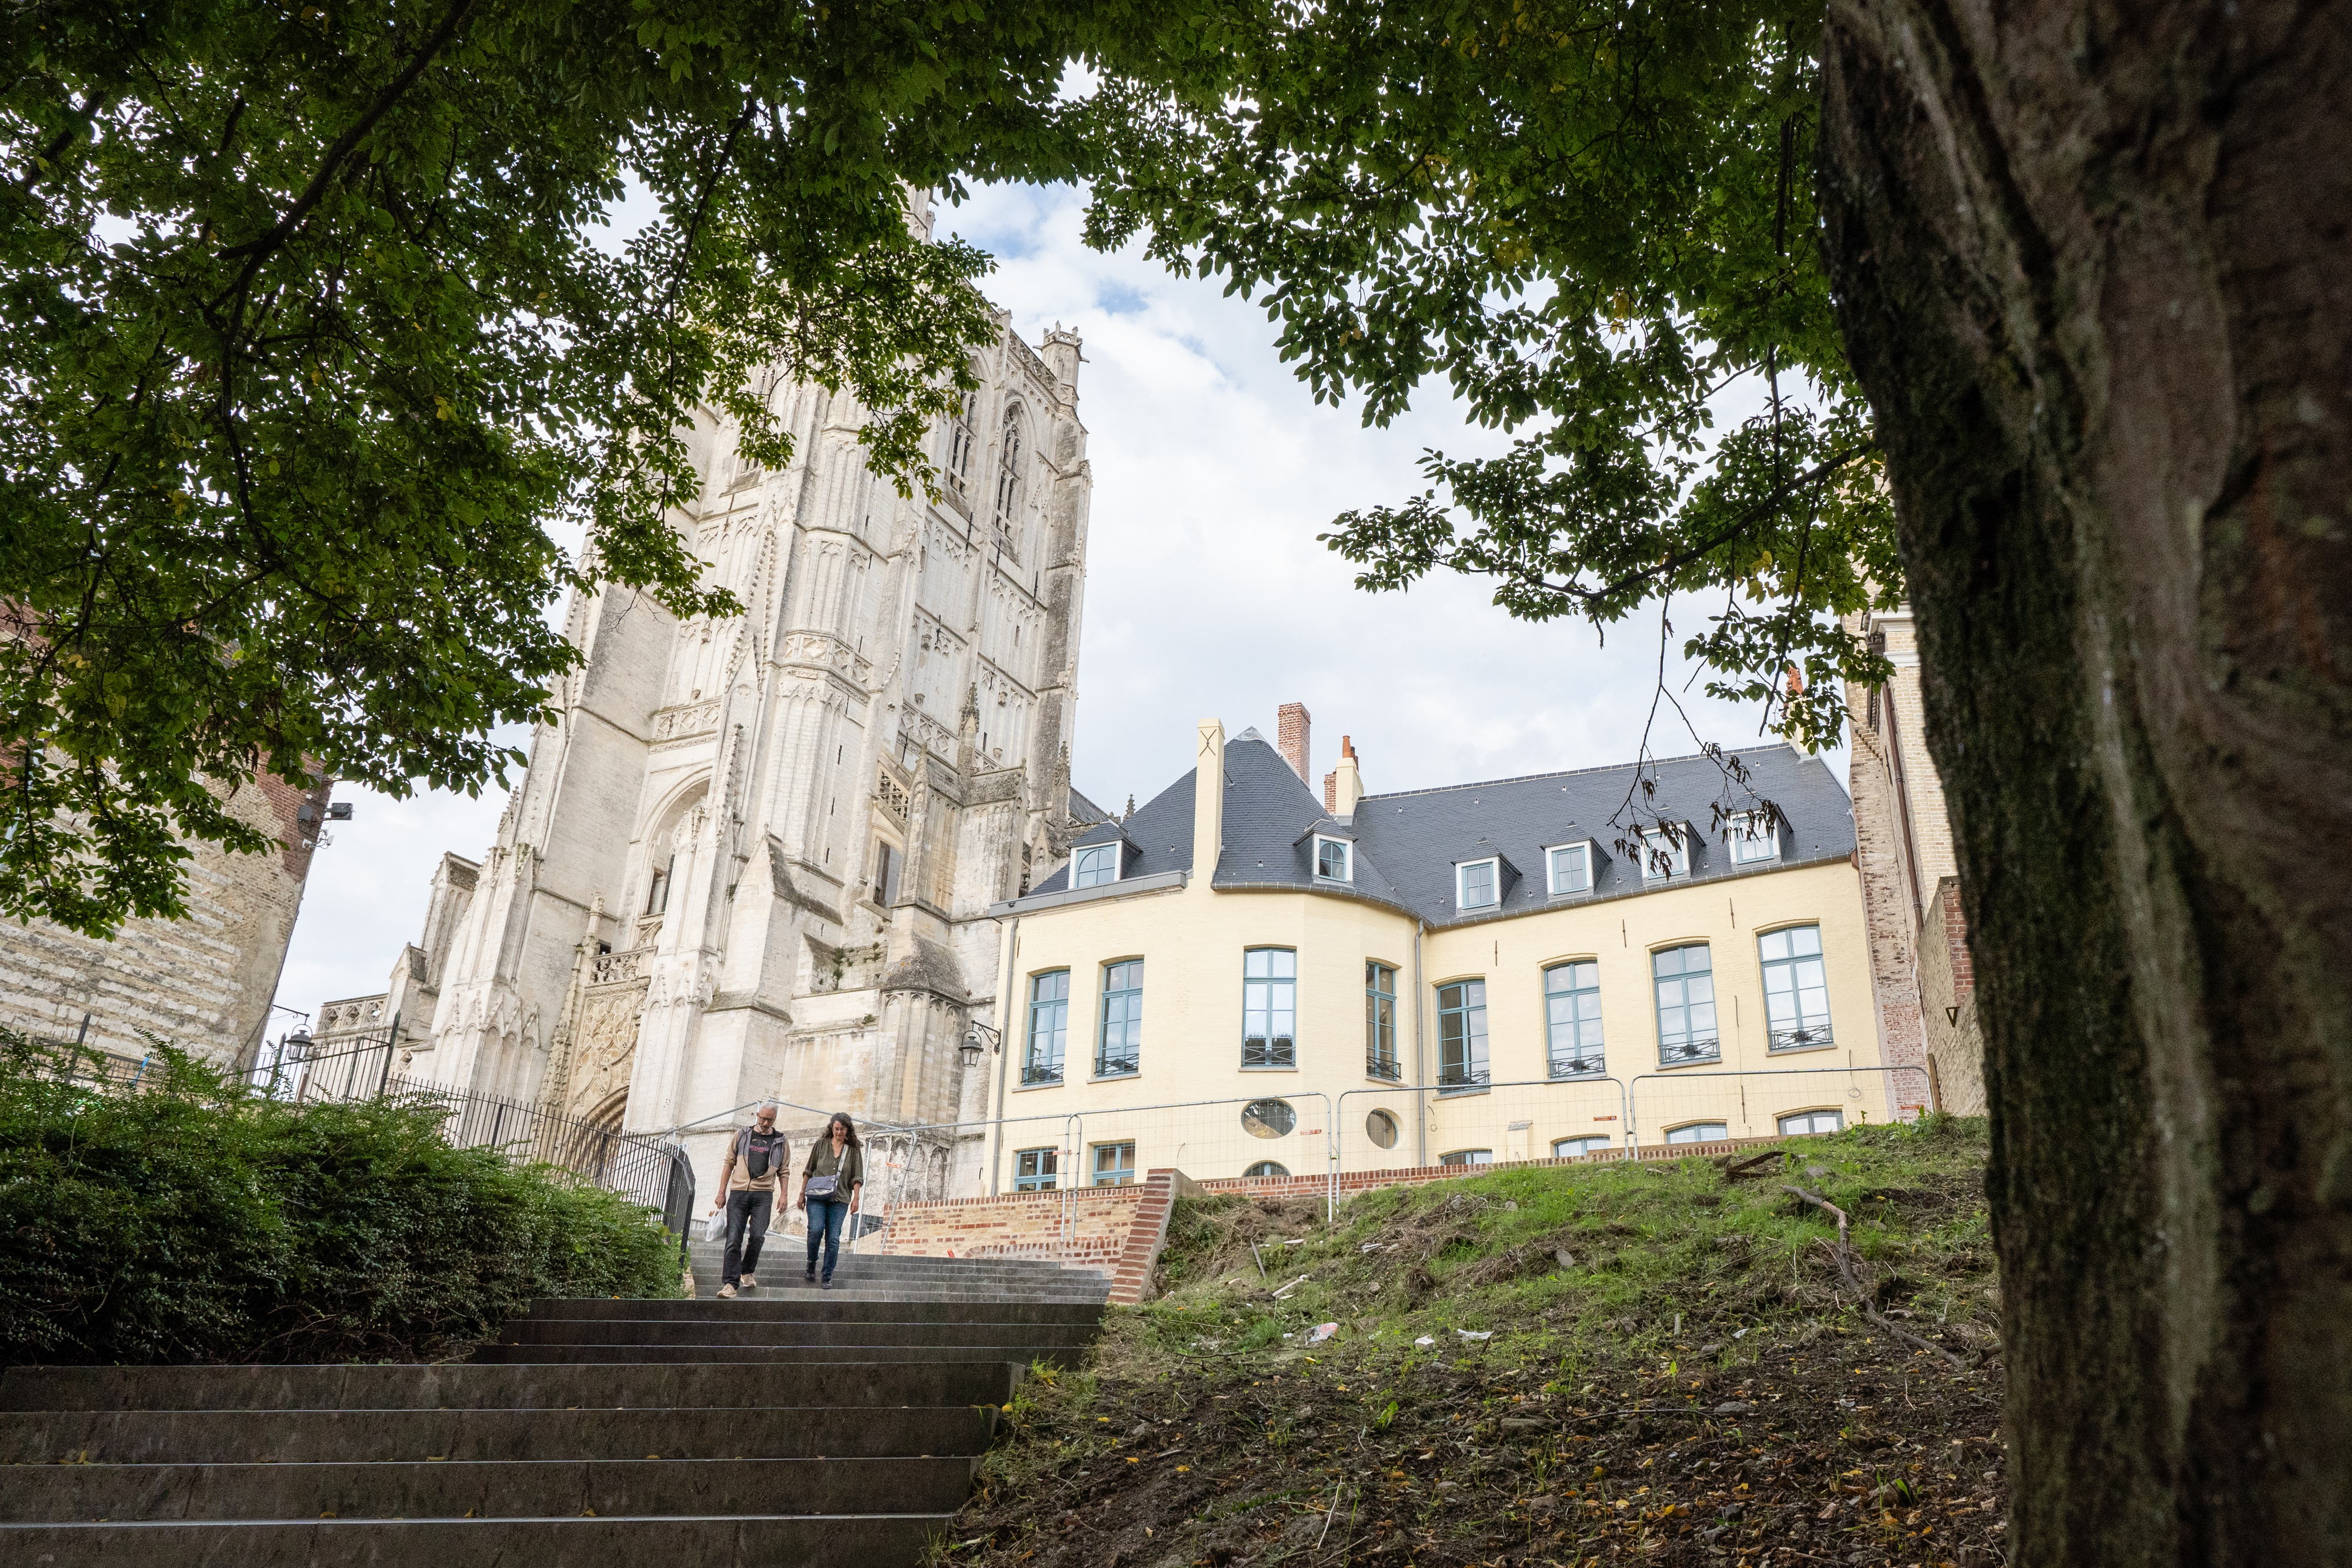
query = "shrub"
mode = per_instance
[{"x": 193, "y": 1220}]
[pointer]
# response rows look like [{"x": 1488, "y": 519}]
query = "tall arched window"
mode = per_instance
[
  {"x": 1008, "y": 476},
  {"x": 962, "y": 436}
]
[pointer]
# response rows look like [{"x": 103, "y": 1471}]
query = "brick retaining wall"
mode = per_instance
[{"x": 1121, "y": 1229}]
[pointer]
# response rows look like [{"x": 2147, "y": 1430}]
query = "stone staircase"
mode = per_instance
[{"x": 787, "y": 1427}]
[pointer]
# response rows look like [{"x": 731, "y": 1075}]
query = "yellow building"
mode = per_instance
[{"x": 1461, "y": 975}]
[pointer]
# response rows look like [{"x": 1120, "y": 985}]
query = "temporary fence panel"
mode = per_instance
[
  {"x": 1395, "y": 1127},
  {"x": 1672, "y": 1109},
  {"x": 1274, "y": 1134}
]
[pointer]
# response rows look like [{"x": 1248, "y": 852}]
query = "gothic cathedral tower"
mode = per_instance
[{"x": 755, "y": 856}]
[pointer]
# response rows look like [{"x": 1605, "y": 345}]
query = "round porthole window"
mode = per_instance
[
  {"x": 1381, "y": 1128},
  {"x": 1268, "y": 1118}
]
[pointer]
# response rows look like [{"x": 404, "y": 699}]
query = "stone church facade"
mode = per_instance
[{"x": 755, "y": 856}]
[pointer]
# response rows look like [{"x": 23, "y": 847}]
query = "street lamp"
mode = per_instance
[{"x": 977, "y": 1037}]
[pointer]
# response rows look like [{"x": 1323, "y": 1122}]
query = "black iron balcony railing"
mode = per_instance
[
  {"x": 1457, "y": 1077},
  {"x": 1259, "y": 1050},
  {"x": 1801, "y": 1039},
  {"x": 1119, "y": 1063},
  {"x": 1041, "y": 1072},
  {"x": 1383, "y": 1068},
  {"x": 1675, "y": 1052},
  {"x": 1579, "y": 1067}
]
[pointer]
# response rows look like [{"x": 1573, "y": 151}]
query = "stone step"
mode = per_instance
[
  {"x": 746, "y": 1541},
  {"x": 809, "y": 1355},
  {"x": 831, "y": 1306},
  {"x": 720, "y": 1328},
  {"x": 541, "y": 1385},
  {"x": 322, "y": 1437},
  {"x": 508, "y": 1489}
]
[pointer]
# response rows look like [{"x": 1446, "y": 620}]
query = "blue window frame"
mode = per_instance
[
  {"x": 1467, "y": 1157},
  {"x": 1379, "y": 1022},
  {"x": 1462, "y": 1034},
  {"x": 1114, "y": 1164},
  {"x": 1665, "y": 851},
  {"x": 1686, "y": 982},
  {"x": 1796, "y": 989},
  {"x": 1699, "y": 1132},
  {"x": 1091, "y": 865},
  {"x": 1119, "y": 1049},
  {"x": 1267, "y": 1168},
  {"x": 1049, "y": 1027},
  {"x": 1572, "y": 1019},
  {"x": 1478, "y": 880},
  {"x": 1575, "y": 1148},
  {"x": 1269, "y": 1008},
  {"x": 1809, "y": 1122},
  {"x": 1571, "y": 869},
  {"x": 1036, "y": 1170}
]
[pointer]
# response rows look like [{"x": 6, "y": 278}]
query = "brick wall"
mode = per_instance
[
  {"x": 1948, "y": 1004},
  {"x": 1121, "y": 1229}
]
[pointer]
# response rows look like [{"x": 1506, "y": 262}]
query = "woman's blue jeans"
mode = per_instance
[{"x": 825, "y": 1217}]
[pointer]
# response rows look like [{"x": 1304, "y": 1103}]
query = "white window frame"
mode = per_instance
[
  {"x": 1552, "y": 874},
  {"x": 1679, "y": 860},
  {"x": 1462, "y": 868},
  {"x": 1089, "y": 848},
  {"x": 1761, "y": 850},
  {"x": 1347, "y": 860}
]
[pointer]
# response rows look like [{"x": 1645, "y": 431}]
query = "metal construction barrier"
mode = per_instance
[
  {"x": 1389, "y": 1128},
  {"x": 1667, "y": 1109},
  {"x": 1277, "y": 1134}
]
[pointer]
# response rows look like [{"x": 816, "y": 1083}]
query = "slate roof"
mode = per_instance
[{"x": 1408, "y": 843}]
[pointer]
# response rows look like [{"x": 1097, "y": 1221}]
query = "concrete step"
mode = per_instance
[
  {"x": 809, "y": 1355},
  {"x": 509, "y": 1489},
  {"x": 827, "y": 1307},
  {"x": 719, "y": 1328},
  {"x": 460, "y": 1385},
  {"x": 749, "y": 1541},
  {"x": 322, "y": 1437}
]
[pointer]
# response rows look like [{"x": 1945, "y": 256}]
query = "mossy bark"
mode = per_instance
[{"x": 2094, "y": 268}]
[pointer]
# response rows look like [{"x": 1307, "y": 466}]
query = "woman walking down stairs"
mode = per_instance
[{"x": 794, "y": 1427}]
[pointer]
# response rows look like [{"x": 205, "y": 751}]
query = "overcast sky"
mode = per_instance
[{"x": 1206, "y": 595}]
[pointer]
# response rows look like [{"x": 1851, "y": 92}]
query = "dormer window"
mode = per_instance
[
  {"x": 1666, "y": 852},
  {"x": 1334, "y": 860},
  {"x": 1569, "y": 868},
  {"x": 1092, "y": 865},
  {"x": 1478, "y": 884},
  {"x": 1754, "y": 838}
]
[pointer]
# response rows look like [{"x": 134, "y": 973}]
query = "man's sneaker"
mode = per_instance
[
  {"x": 726, "y": 1292},
  {"x": 811, "y": 1275},
  {"x": 747, "y": 1282},
  {"x": 826, "y": 1285}
]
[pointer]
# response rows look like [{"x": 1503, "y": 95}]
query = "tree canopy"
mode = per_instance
[{"x": 312, "y": 342}]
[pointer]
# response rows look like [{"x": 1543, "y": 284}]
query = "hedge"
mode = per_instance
[{"x": 191, "y": 1219}]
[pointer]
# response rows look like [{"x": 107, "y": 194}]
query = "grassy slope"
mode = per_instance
[{"x": 1694, "y": 1386}]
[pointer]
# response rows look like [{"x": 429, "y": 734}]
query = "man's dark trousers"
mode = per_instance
[{"x": 745, "y": 1211}]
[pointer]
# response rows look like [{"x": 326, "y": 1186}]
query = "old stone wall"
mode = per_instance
[
  {"x": 1948, "y": 1005},
  {"x": 204, "y": 983}
]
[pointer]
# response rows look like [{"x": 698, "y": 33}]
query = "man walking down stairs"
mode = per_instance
[{"x": 794, "y": 1427}]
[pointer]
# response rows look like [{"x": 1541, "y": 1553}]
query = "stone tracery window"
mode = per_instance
[
  {"x": 1010, "y": 453},
  {"x": 962, "y": 436}
]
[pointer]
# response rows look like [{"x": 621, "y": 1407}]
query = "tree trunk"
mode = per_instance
[{"x": 2094, "y": 268}]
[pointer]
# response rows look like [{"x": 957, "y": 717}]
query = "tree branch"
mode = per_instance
[
  {"x": 257, "y": 251},
  {"x": 1846, "y": 1256}
]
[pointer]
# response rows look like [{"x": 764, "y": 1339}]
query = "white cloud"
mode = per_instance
[{"x": 1206, "y": 591}]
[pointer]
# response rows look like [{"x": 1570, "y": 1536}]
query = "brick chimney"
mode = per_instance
[{"x": 1291, "y": 732}]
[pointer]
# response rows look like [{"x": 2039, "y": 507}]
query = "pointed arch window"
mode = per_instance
[
  {"x": 963, "y": 436},
  {"x": 1009, "y": 458}
]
